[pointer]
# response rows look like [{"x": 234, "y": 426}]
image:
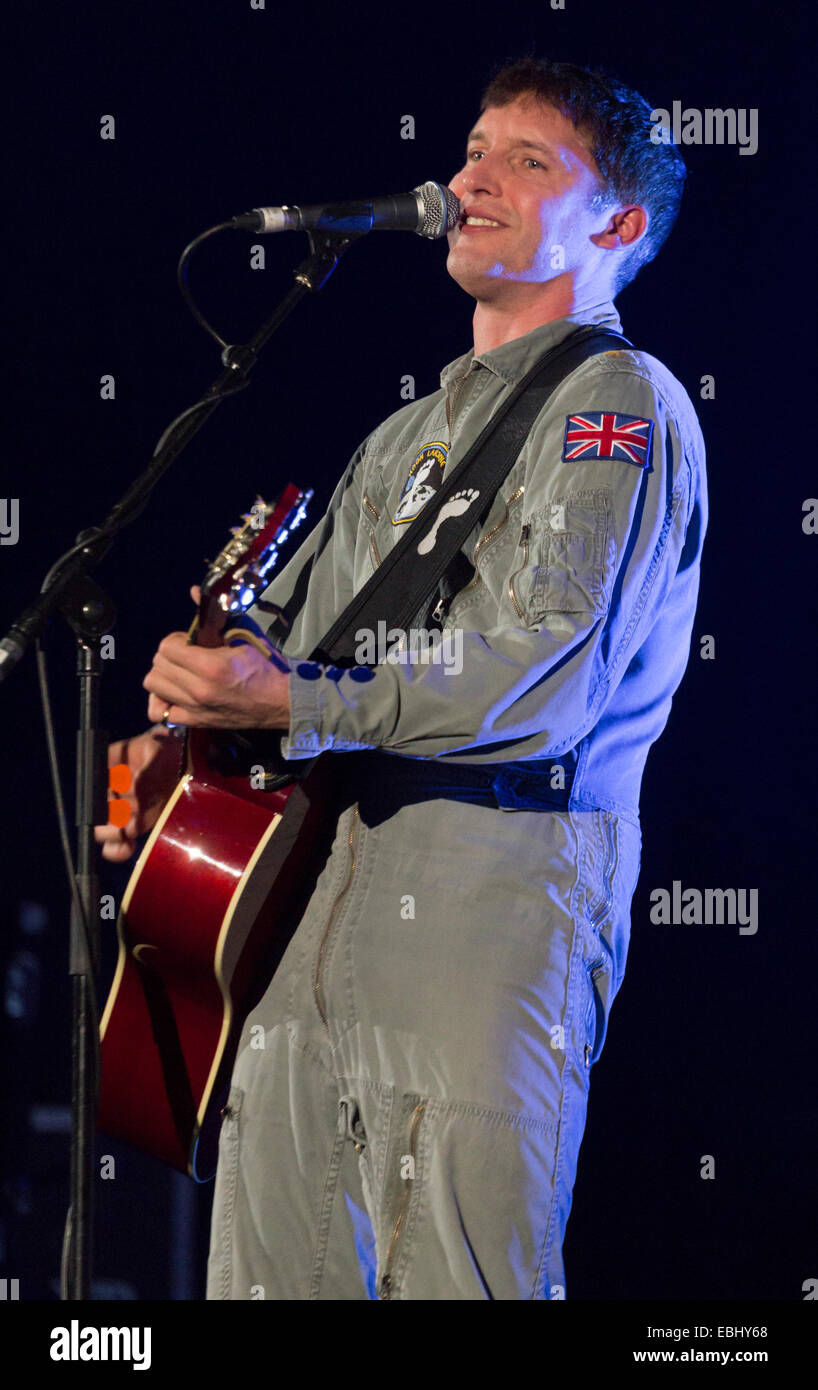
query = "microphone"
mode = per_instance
[{"x": 431, "y": 210}]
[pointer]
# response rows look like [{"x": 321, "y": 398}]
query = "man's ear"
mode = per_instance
[{"x": 624, "y": 228}]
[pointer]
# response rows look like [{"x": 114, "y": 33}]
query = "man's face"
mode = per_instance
[{"x": 527, "y": 169}]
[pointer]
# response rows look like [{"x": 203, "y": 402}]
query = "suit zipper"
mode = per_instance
[
  {"x": 385, "y": 1286},
  {"x": 373, "y": 544},
  {"x": 593, "y": 969},
  {"x": 611, "y": 861},
  {"x": 524, "y": 534},
  {"x": 484, "y": 540},
  {"x": 318, "y": 988}
]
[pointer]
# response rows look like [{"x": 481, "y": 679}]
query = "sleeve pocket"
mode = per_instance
[{"x": 574, "y": 555}]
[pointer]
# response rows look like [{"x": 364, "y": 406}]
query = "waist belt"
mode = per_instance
[{"x": 387, "y": 781}]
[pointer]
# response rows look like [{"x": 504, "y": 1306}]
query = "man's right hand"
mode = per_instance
[{"x": 153, "y": 758}]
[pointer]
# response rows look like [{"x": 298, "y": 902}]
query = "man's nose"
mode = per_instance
[{"x": 480, "y": 177}]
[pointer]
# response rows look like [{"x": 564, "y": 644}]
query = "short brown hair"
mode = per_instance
[{"x": 615, "y": 122}]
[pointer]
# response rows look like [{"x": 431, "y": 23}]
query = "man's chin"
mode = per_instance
[
  {"x": 475, "y": 277},
  {"x": 469, "y": 268}
]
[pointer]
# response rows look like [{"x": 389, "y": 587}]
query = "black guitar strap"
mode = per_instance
[
  {"x": 431, "y": 546},
  {"x": 409, "y": 575}
]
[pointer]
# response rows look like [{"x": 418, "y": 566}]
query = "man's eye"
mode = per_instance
[
  {"x": 473, "y": 154},
  {"x": 535, "y": 162}
]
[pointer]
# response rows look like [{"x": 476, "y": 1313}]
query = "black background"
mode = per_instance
[{"x": 219, "y": 107}]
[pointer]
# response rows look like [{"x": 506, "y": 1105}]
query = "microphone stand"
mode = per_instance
[{"x": 89, "y": 611}]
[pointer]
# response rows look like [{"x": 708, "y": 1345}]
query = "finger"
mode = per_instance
[
  {"x": 163, "y": 711},
  {"x": 196, "y": 594},
  {"x": 118, "y": 852},
  {"x": 116, "y": 843},
  {"x": 118, "y": 752},
  {"x": 189, "y": 664},
  {"x": 172, "y": 689},
  {"x": 104, "y": 833},
  {"x": 179, "y": 651}
]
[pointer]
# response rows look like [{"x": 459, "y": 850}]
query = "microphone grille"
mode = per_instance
[{"x": 441, "y": 209}]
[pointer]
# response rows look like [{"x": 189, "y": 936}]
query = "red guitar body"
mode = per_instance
[{"x": 207, "y": 914}]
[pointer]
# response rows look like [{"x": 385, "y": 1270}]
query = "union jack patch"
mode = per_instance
[{"x": 601, "y": 434}]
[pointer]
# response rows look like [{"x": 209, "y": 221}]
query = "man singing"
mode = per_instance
[{"x": 410, "y": 1127}]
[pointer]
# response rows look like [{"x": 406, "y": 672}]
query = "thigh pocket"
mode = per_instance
[{"x": 470, "y": 1192}]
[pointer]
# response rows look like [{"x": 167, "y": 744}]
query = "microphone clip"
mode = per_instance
[{"x": 326, "y": 250}]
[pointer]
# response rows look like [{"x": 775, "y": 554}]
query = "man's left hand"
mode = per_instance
[{"x": 217, "y": 687}]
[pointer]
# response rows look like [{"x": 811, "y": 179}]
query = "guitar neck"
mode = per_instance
[
  {"x": 208, "y": 625},
  {"x": 240, "y": 571}
]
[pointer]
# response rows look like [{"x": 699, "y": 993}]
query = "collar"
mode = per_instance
[{"x": 510, "y": 361}]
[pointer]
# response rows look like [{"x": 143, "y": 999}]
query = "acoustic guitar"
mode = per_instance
[{"x": 209, "y": 907}]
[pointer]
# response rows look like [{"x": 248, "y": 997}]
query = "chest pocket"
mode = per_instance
[{"x": 573, "y": 555}]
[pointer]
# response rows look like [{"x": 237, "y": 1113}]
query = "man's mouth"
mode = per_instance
[{"x": 474, "y": 217}]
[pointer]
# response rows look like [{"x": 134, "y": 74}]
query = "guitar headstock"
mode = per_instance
[{"x": 241, "y": 571}]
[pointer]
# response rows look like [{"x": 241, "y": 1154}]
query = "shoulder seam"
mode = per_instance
[{"x": 615, "y": 369}]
